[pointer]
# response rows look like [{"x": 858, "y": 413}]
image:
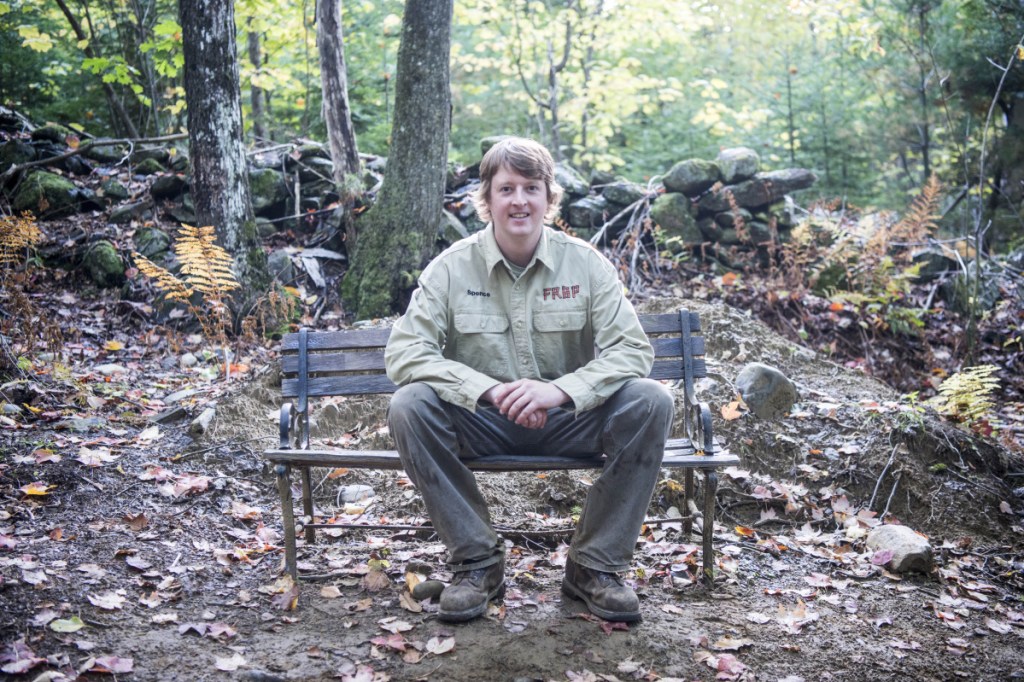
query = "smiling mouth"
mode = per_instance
[{"x": 519, "y": 215}]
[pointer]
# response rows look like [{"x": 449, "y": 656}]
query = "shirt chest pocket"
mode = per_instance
[
  {"x": 481, "y": 342},
  {"x": 563, "y": 341}
]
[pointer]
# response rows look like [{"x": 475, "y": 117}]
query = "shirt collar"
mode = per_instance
[{"x": 493, "y": 255}]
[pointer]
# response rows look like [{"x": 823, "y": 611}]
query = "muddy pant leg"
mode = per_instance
[
  {"x": 428, "y": 444},
  {"x": 634, "y": 423}
]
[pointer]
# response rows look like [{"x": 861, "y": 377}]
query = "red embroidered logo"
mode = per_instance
[{"x": 561, "y": 292}]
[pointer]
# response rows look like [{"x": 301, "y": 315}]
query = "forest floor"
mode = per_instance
[{"x": 131, "y": 549}]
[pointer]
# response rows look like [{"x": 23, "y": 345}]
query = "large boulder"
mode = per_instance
[
  {"x": 46, "y": 195},
  {"x": 737, "y": 164},
  {"x": 674, "y": 214},
  {"x": 759, "y": 191},
  {"x": 692, "y": 177},
  {"x": 150, "y": 241},
  {"x": 571, "y": 180},
  {"x": 14, "y": 153},
  {"x": 168, "y": 186}
]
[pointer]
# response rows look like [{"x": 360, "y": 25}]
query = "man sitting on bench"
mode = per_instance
[{"x": 496, "y": 355}]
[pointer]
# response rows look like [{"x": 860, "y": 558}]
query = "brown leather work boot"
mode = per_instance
[
  {"x": 470, "y": 591},
  {"x": 604, "y": 593}
]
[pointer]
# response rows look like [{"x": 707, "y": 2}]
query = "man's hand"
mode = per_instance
[{"x": 526, "y": 401}]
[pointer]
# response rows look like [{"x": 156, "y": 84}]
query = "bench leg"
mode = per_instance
[
  {"x": 688, "y": 503},
  {"x": 307, "y": 504},
  {"x": 710, "y": 493},
  {"x": 284, "y": 488}
]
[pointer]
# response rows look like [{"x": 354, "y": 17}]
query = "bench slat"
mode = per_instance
[
  {"x": 351, "y": 339},
  {"x": 388, "y": 459},
  {"x": 368, "y": 361}
]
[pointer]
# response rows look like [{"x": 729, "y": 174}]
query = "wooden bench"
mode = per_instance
[{"x": 349, "y": 363}]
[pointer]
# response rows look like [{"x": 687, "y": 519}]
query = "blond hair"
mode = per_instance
[{"x": 526, "y": 157}]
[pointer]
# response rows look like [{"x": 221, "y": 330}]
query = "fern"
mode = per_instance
[
  {"x": 206, "y": 268},
  {"x": 16, "y": 235},
  {"x": 967, "y": 395}
]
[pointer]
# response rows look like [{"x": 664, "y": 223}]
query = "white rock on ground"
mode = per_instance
[{"x": 911, "y": 551}]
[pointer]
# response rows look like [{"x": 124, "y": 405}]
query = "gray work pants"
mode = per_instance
[{"x": 434, "y": 436}]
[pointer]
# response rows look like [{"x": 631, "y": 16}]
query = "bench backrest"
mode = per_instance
[{"x": 351, "y": 362}]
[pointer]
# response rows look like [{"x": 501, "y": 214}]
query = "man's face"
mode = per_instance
[{"x": 517, "y": 205}]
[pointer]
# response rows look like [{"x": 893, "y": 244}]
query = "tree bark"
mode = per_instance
[
  {"x": 398, "y": 233},
  {"x": 220, "y": 180},
  {"x": 334, "y": 83},
  {"x": 256, "y": 97}
]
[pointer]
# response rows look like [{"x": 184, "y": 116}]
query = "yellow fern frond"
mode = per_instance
[
  {"x": 205, "y": 265},
  {"x": 918, "y": 223},
  {"x": 967, "y": 395},
  {"x": 17, "y": 233},
  {"x": 174, "y": 289}
]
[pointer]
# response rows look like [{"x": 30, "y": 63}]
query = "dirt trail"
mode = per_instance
[{"x": 161, "y": 559}]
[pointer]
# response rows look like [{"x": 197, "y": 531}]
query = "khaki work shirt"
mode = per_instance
[{"x": 470, "y": 325}]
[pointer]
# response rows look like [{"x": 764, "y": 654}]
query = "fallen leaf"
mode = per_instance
[
  {"x": 17, "y": 658},
  {"x": 731, "y": 411},
  {"x": 731, "y": 644},
  {"x": 375, "y": 580},
  {"x": 36, "y": 488},
  {"x": 230, "y": 664},
  {"x": 438, "y": 646},
  {"x": 67, "y": 625},
  {"x": 113, "y": 345},
  {"x": 330, "y": 592},
  {"x": 109, "y": 601},
  {"x": 394, "y": 626},
  {"x": 393, "y": 641}
]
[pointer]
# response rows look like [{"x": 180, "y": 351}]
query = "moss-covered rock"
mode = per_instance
[
  {"x": 15, "y": 153},
  {"x": 269, "y": 192},
  {"x": 52, "y": 133},
  {"x": 159, "y": 154},
  {"x": 623, "y": 193},
  {"x": 674, "y": 214},
  {"x": 46, "y": 195},
  {"x": 588, "y": 212},
  {"x": 571, "y": 181},
  {"x": 691, "y": 177},
  {"x": 125, "y": 213},
  {"x": 149, "y": 241},
  {"x": 103, "y": 264},
  {"x": 149, "y": 167},
  {"x": 737, "y": 164}
]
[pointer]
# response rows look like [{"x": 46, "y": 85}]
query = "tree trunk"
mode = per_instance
[
  {"x": 396, "y": 235},
  {"x": 220, "y": 180},
  {"x": 259, "y": 116},
  {"x": 334, "y": 83}
]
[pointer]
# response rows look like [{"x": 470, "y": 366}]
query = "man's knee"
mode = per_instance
[
  {"x": 410, "y": 403},
  {"x": 655, "y": 395}
]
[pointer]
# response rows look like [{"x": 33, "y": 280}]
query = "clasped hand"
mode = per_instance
[{"x": 526, "y": 401}]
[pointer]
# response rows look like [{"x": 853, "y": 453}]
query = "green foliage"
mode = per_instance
[{"x": 967, "y": 395}]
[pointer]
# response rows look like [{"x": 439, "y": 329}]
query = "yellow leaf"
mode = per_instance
[
  {"x": 745, "y": 532},
  {"x": 36, "y": 488},
  {"x": 113, "y": 345},
  {"x": 1020, "y": 52},
  {"x": 731, "y": 411},
  {"x": 729, "y": 278}
]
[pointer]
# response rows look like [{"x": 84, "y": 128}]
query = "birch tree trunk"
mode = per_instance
[
  {"x": 396, "y": 236},
  {"x": 220, "y": 179},
  {"x": 334, "y": 83}
]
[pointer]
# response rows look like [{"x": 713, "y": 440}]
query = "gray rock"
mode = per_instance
[
  {"x": 158, "y": 154},
  {"x": 623, "y": 193},
  {"x": 911, "y": 551},
  {"x": 15, "y": 153},
  {"x": 104, "y": 264},
  {"x": 188, "y": 360},
  {"x": 452, "y": 229},
  {"x": 350, "y": 494},
  {"x": 588, "y": 212},
  {"x": 738, "y": 164},
  {"x": 692, "y": 177},
  {"x": 488, "y": 142},
  {"x": 674, "y": 214},
  {"x": 269, "y": 191},
  {"x": 171, "y": 414},
  {"x": 168, "y": 186},
  {"x": 759, "y": 191},
  {"x": 149, "y": 241},
  {"x": 571, "y": 181},
  {"x": 52, "y": 133},
  {"x": 428, "y": 589},
  {"x": 178, "y": 396},
  {"x": 767, "y": 392},
  {"x": 934, "y": 262},
  {"x": 139, "y": 210},
  {"x": 112, "y": 190},
  {"x": 201, "y": 424},
  {"x": 110, "y": 369},
  {"x": 279, "y": 263},
  {"x": 11, "y": 409},
  {"x": 727, "y": 219}
]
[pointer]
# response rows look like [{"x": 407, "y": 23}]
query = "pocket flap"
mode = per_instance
[
  {"x": 560, "y": 321},
  {"x": 481, "y": 323}
]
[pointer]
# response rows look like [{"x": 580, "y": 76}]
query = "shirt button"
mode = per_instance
[{"x": 561, "y": 323}]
